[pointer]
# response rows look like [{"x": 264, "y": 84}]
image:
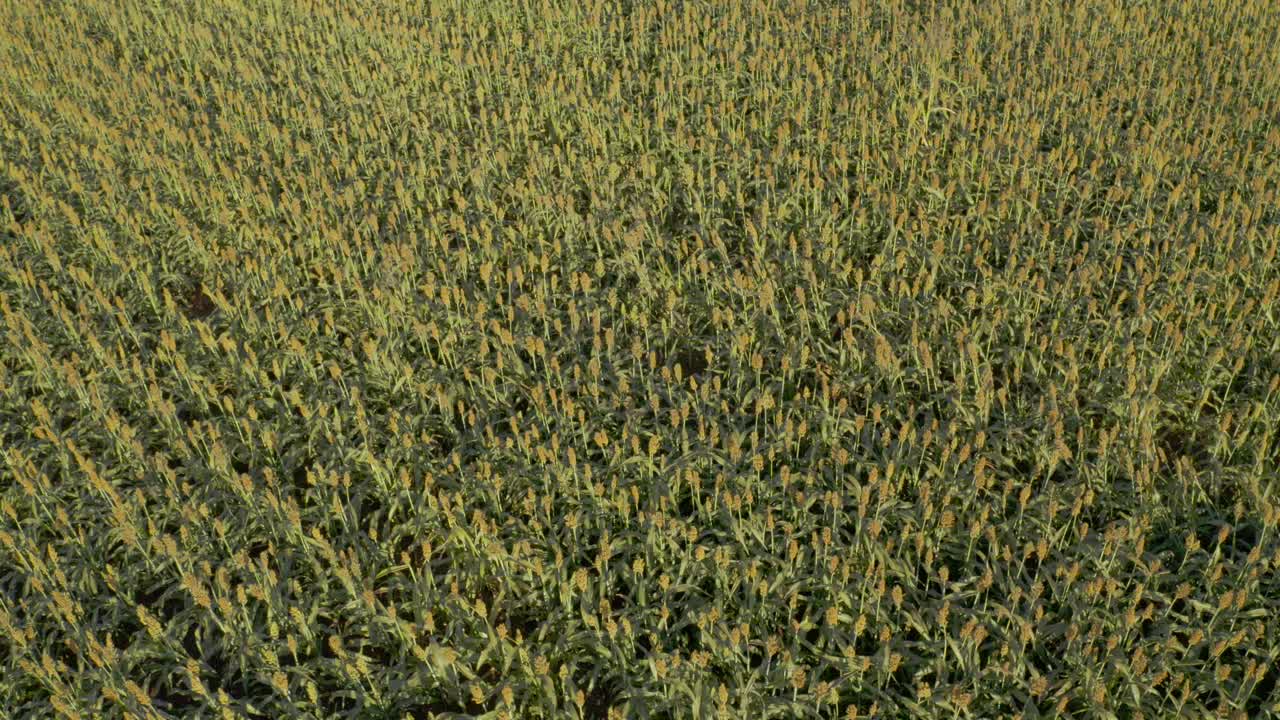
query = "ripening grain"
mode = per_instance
[{"x": 615, "y": 359}]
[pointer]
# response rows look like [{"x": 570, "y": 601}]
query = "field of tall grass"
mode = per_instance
[{"x": 653, "y": 360}]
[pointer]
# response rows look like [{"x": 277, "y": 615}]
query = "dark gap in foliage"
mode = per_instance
[
  {"x": 126, "y": 632},
  {"x": 837, "y": 328},
  {"x": 441, "y": 566},
  {"x": 249, "y": 686},
  {"x": 1262, "y": 697},
  {"x": 162, "y": 600},
  {"x": 926, "y": 577},
  {"x": 1078, "y": 706},
  {"x": 1179, "y": 442},
  {"x": 1049, "y": 140},
  {"x": 813, "y": 505},
  {"x": 866, "y": 644},
  {"x": 813, "y": 635},
  {"x": 1253, "y": 373},
  {"x": 474, "y": 708},
  {"x": 1217, "y": 706},
  {"x": 600, "y": 697},
  {"x": 189, "y": 415},
  {"x": 1167, "y": 544},
  {"x": 692, "y": 361},
  {"x": 378, "y": 654},
  {"x": 828, "y": 673},
  {"x": 298, "y": 475},
  {"x": 256, "y": 548},
  {"x": 643, "y": 645},
  {"x": 326, "y": 652},
  {"x": 1244, "y": 538},
  {"x": 755, "y": 657},
  {"x": 462, "y": 429},
  {"x": 1063, "y": 473},
  {"x": 525, "y": 357},
  {"x": 1225, "y": 490},
  {"x": 198, "y": 303},
  {"x": 335, "y": 701},
  {"x": 519, "y": 407},
  {"x": 802, "y": 379},
  {"x": 1101, "y": 516},
  {"x": 220, "y": 675},
  {"x": 443, "y": 443},
  {"x": 170, "y": 697},
  {"x": 526, "y": 621},
  {"x": 191, "y": 641},
  {"x": 367, "y": 504},
  {"x": 1030, "y": 564},
  {"x": 1000, "y": 252},
  {"x": 687, "y": 635},
  {"x": 618, "y": 601},
  {"x": 1206, "y": 532}
]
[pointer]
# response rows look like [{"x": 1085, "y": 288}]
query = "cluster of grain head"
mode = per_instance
[{"x": 675, "y": 359}]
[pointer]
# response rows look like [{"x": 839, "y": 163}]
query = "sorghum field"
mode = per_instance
[{"x": 666, "y": 360}]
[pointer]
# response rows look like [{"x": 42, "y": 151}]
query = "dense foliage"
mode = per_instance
[{"x": 619, "y": 359}]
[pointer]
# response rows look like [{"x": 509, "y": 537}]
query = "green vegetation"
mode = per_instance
[{"x": 653, "y": 360}]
